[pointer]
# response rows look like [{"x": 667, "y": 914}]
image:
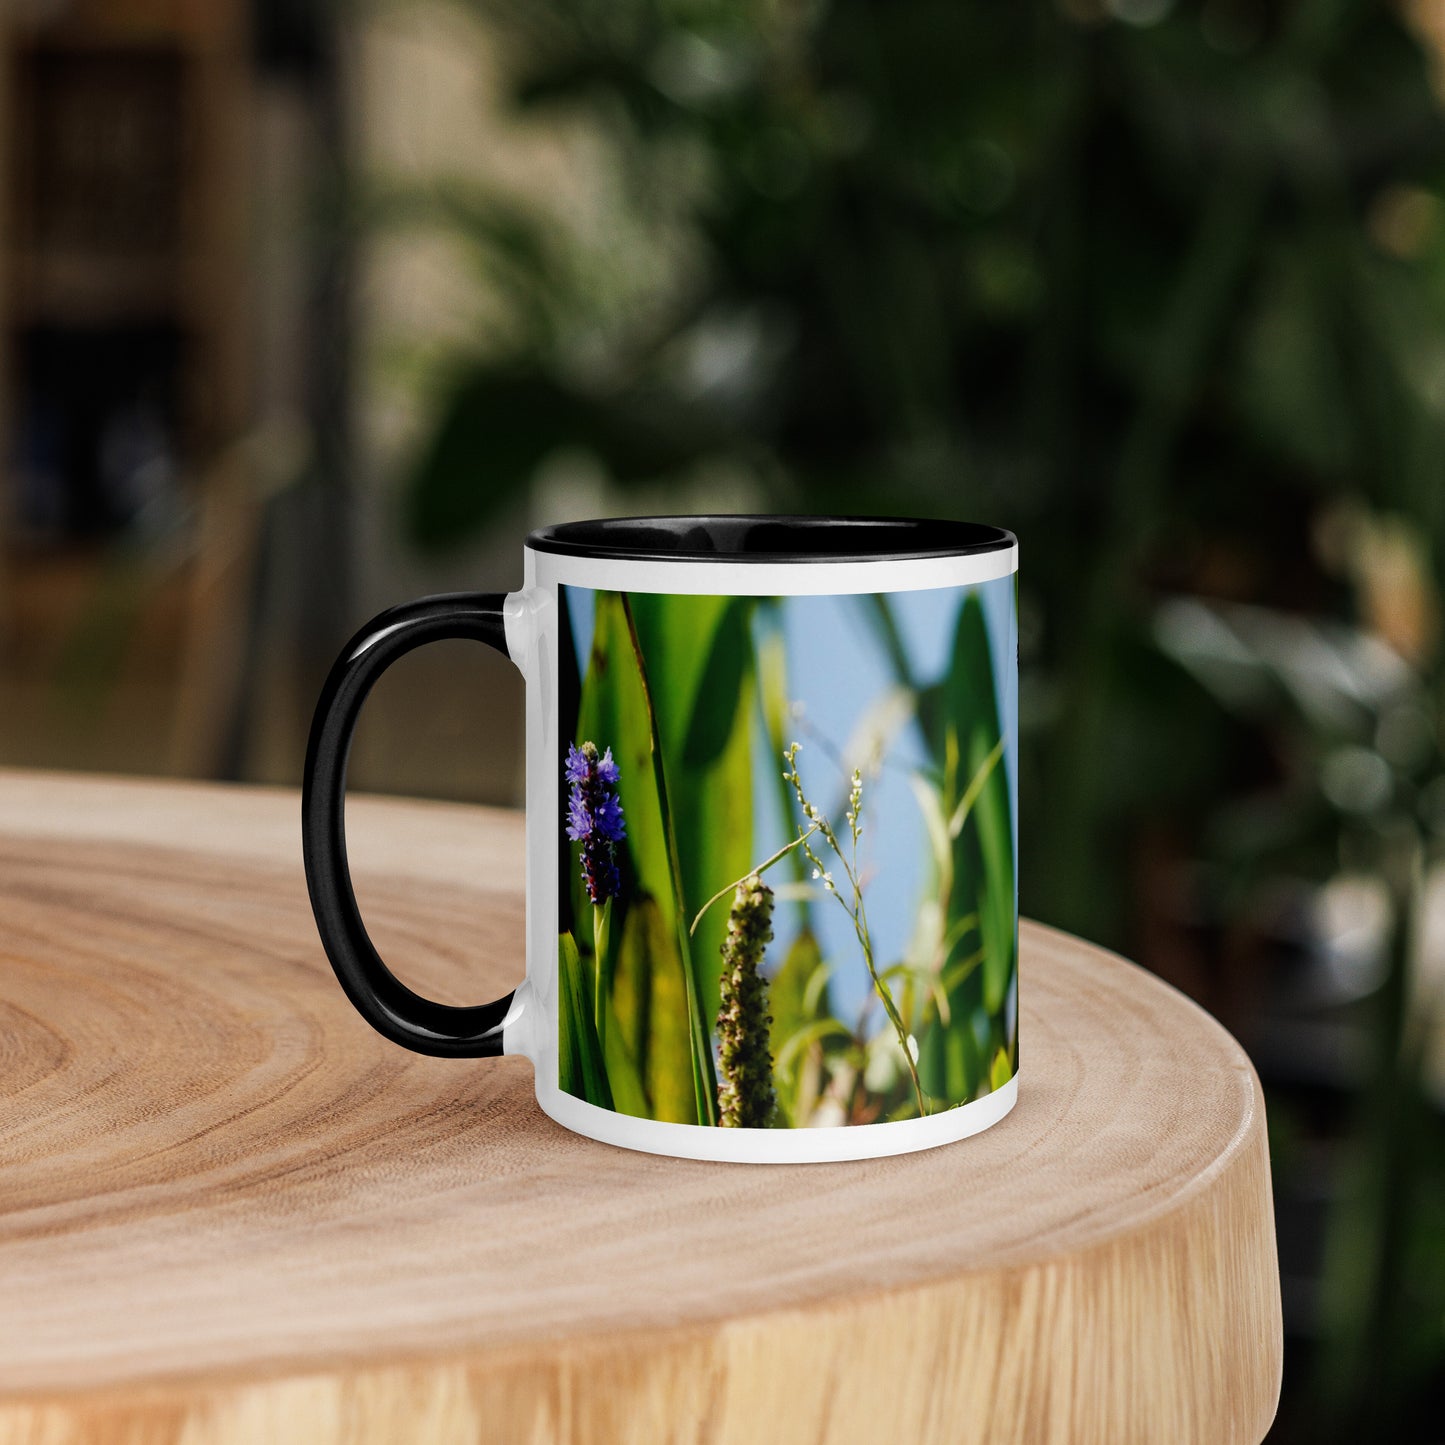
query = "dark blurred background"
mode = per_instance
[{"x": 308, "y": 308}]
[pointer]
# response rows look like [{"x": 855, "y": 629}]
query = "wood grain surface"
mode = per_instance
[{"x": 230, "y": 1212}]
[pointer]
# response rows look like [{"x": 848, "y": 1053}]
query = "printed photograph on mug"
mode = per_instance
[{"x": 788, "y": 858}]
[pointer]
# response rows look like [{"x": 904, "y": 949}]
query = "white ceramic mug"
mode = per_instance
[{"x": 771, "y": 832}]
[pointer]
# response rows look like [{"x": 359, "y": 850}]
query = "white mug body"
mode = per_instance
[{"x": 834, "y": 593}]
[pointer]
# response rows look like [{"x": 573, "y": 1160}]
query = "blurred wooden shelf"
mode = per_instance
[
  {"x": 83, "y": 289},
  {"x": 126, "y": 329},
  {"x": 232, "y": 1213}
]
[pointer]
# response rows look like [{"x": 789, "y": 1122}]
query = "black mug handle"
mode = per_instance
[{"x": 387, "y": 1004}]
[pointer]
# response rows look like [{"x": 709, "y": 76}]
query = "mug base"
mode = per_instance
[{"x": 778, "y": 1146}]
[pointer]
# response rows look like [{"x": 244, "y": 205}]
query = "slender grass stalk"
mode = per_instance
[
  {"x": 855, "y": 910},
  {"x": 601, "y": 931},
  {"x": 751, "y": 873},
  {"x": 975, "y": 787},
  {"x": 704, "y": 1079},
  {"x": 885, "y": 997}
]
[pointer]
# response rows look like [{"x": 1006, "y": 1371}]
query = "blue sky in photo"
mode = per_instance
[{"x": 837, "y": 671}]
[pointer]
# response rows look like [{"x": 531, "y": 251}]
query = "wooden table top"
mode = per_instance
[{"x": 230, "y": 1212}]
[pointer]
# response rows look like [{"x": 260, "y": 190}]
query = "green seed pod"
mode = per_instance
[{"x": 745, "y": 1092}]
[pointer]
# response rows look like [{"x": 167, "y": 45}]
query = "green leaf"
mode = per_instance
[
  {"x": 798, "y": 999},
  {"x": 1001, "y": 1071},
  {"x": 939, "y": 842},
  {"x": 629, "y": 1094},
  {"x": 649, "y": 1010},
  {"x": 980, "y": 892},
  {"x": 614, "y": 713},
  {"x": 580, "y": 1068},
  {"x": 983, "y": 851},
  {"x": 695, "y": 793},
  {"x": 790, "y": 1047},
  {"x": 798, "y": 991},
  {"x": 701, "y": 670}
]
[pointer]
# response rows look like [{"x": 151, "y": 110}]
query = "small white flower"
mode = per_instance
[{"x": 816, "y": 873}]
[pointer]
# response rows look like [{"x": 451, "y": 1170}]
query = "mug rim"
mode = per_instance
[{"x": 757, "y": 537}]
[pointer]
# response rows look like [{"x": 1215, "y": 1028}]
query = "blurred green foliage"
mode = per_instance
[
  {"x": 1159, "y": 285},
  {"x": 1145, "y": 284}
]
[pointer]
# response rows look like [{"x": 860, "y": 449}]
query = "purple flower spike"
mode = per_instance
[
  {"x": 594, "y": 818},
  {"x": 576, "y": 766}
]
